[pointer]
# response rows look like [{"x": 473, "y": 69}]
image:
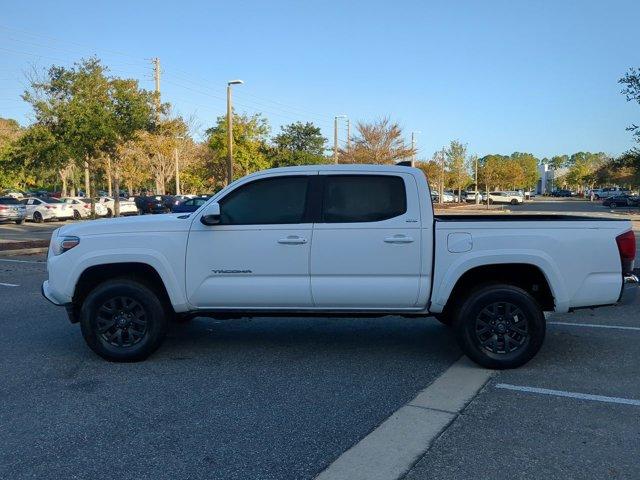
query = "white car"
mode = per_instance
[
  {"x": 82, "y": 207},
  {"x": 127, "y": 207},
  {"x": 337, "y": 240},
  {"x": 46, "y": 208},
  {"x": 513, "y": 198}
]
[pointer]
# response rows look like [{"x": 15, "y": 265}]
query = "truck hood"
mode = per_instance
[{"x": 145, "y": 223}]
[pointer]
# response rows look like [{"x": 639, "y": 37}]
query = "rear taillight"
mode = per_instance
[
  {"x": 3, "y": 207},
  {"x": 627, "y": 249}
]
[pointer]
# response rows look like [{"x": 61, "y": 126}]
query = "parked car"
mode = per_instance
[
  {"x": 46, "y": 208},
  {"x": 600, "y": 193},
  {"x": 471, "y": 196},
  {"x": 127, "y": 207},
  {"x": 512, "y": 198},
  {"x": 189, "y": 205},
  {"x": 153, "y": 203},
  {"x": 11, "y": 209},
  {"x": 561, "y": 193},
  {"x": 621, "y": 201},
  {"x": 354, "y": 240},
  {"x": 82, "y": 207}
]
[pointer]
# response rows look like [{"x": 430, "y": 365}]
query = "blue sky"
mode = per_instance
[{"x": 501, "y": 76}]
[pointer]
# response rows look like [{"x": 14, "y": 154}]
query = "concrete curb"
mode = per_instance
[
  {"x": 389, "y": 451},
  {"x": 23, "y": 251}
]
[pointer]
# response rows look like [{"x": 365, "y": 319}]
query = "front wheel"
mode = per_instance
[
  {"x": 613, "y": 205},
  {"x": 500, "y": 326},
  {"x": 20, "y": 222},
  {"x": 514, "y": 202},
  {"x": 37, "y": 217},
  {"x": 123, "y": 320},
  {"x": 109, "y": 213}
]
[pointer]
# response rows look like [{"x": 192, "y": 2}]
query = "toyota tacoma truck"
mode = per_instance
[{"x": 337, "y": 240}]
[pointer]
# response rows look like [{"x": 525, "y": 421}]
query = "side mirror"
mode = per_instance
[{"x": 211, "y": 215}]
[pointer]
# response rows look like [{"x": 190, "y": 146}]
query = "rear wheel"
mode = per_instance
[
  {"x": 109, "y": 213},
  {"x": 123, "y": 320},
  {"x": 514, "y": 202},
  {"x": 500, "y": 326},
  {"x": 37, "y": 217},
  {"x": 20, "y": 222},
  {"x": 76, "y": 215},
  {"x": 613, "y": 205}
]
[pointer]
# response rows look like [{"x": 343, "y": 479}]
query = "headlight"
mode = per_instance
[{"x": 62, "y": 244}]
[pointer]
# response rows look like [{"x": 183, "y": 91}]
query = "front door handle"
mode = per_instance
[
  {"x": 399, "y": 238},
  {"x": 292, "y": 240}
]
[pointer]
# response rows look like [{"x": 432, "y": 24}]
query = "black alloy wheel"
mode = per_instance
[
  {"x": 122, "y": 321},
  {"x": 502, "y": 328}
]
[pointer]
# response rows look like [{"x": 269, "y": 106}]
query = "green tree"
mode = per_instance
[
  {"x": 88, "y": 114},
  {"x": 631, "y": 90},
  {"x": 528, "y": 168},
  {"x": 250, "y": 148},
  {"x": 299, "y": 144},
  {"x": 457, "y": 165}
]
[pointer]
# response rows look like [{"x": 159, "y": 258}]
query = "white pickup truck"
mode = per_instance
[{"x": 336, "y": 240}]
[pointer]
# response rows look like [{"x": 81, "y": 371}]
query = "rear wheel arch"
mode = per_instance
[{"x": 526, "y": 276}]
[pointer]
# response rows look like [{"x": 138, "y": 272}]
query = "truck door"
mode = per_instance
[
  {"x": 367, "y": 242},
  {"x": 258, "y": 256}
]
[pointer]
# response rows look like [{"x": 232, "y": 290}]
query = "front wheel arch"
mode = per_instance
[{"x": 138, "y": 271}]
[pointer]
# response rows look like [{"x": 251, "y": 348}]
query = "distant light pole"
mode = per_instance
[
  {"x": 335, "y": 137},
  {"x": 175, "y": 153},
  {"x": 230, "y": 130},
  {"x": 475, "y": 157},
  {"x": 348, "y": 135},
  {"x": 413, "y": 145}
]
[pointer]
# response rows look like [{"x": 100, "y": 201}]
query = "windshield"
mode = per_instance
[{"x": 9, "y": 201}]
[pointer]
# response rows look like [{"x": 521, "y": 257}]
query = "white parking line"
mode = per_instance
[
  {"x": 593, "y": 325},
  {"x": 20, "y": 261},
  {"x": 390, "y": 450},
  {"x": 8, "y": 285},
  {"x": 562, "y": 393}
]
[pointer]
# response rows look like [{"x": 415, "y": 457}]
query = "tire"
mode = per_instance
[
  {"x": 143, "y": 317},
  {"x": 596, "y": 197},
  {"x": 514, "y": 202},
  {"x": 76, "y": 215},
  {"x": 37, "y": 217},
  {"x": 109, "y": 213},
  {"x": 500, "y": 345},
  {"x": 613, "y": 205},
  {"x": 20, "y": 222}
]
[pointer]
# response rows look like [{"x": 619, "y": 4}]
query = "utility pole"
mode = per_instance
[
  {"x": 442, "y": 161},
  {"x": 156, "y": 77},
  {"x": 230, "y": 130},
  {"x": 348, "y": 135},
  {"x": 335, "y": 137}
]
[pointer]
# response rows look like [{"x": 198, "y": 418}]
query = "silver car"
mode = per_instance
[{"x": 12, "y": 210}]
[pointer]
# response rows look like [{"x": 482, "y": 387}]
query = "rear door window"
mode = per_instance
[{"x": 363, "y": 198}]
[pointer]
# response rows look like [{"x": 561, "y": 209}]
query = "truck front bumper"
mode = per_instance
[
  {"x": 630, "y": 289},
  {"x": 47, "y": 293}
]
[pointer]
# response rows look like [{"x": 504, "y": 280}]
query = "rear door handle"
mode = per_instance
[
  {"x": 292, "y": 240},
  {"x": 399, "y": 238}
]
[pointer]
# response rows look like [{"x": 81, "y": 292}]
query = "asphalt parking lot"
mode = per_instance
[{"x": 283, "y": 398}]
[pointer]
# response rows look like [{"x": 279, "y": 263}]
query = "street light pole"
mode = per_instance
[
  {"x": 348, "y": 135},
  {"x": 335, "y": 137},
  {"x": 230, "y": 130}
]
